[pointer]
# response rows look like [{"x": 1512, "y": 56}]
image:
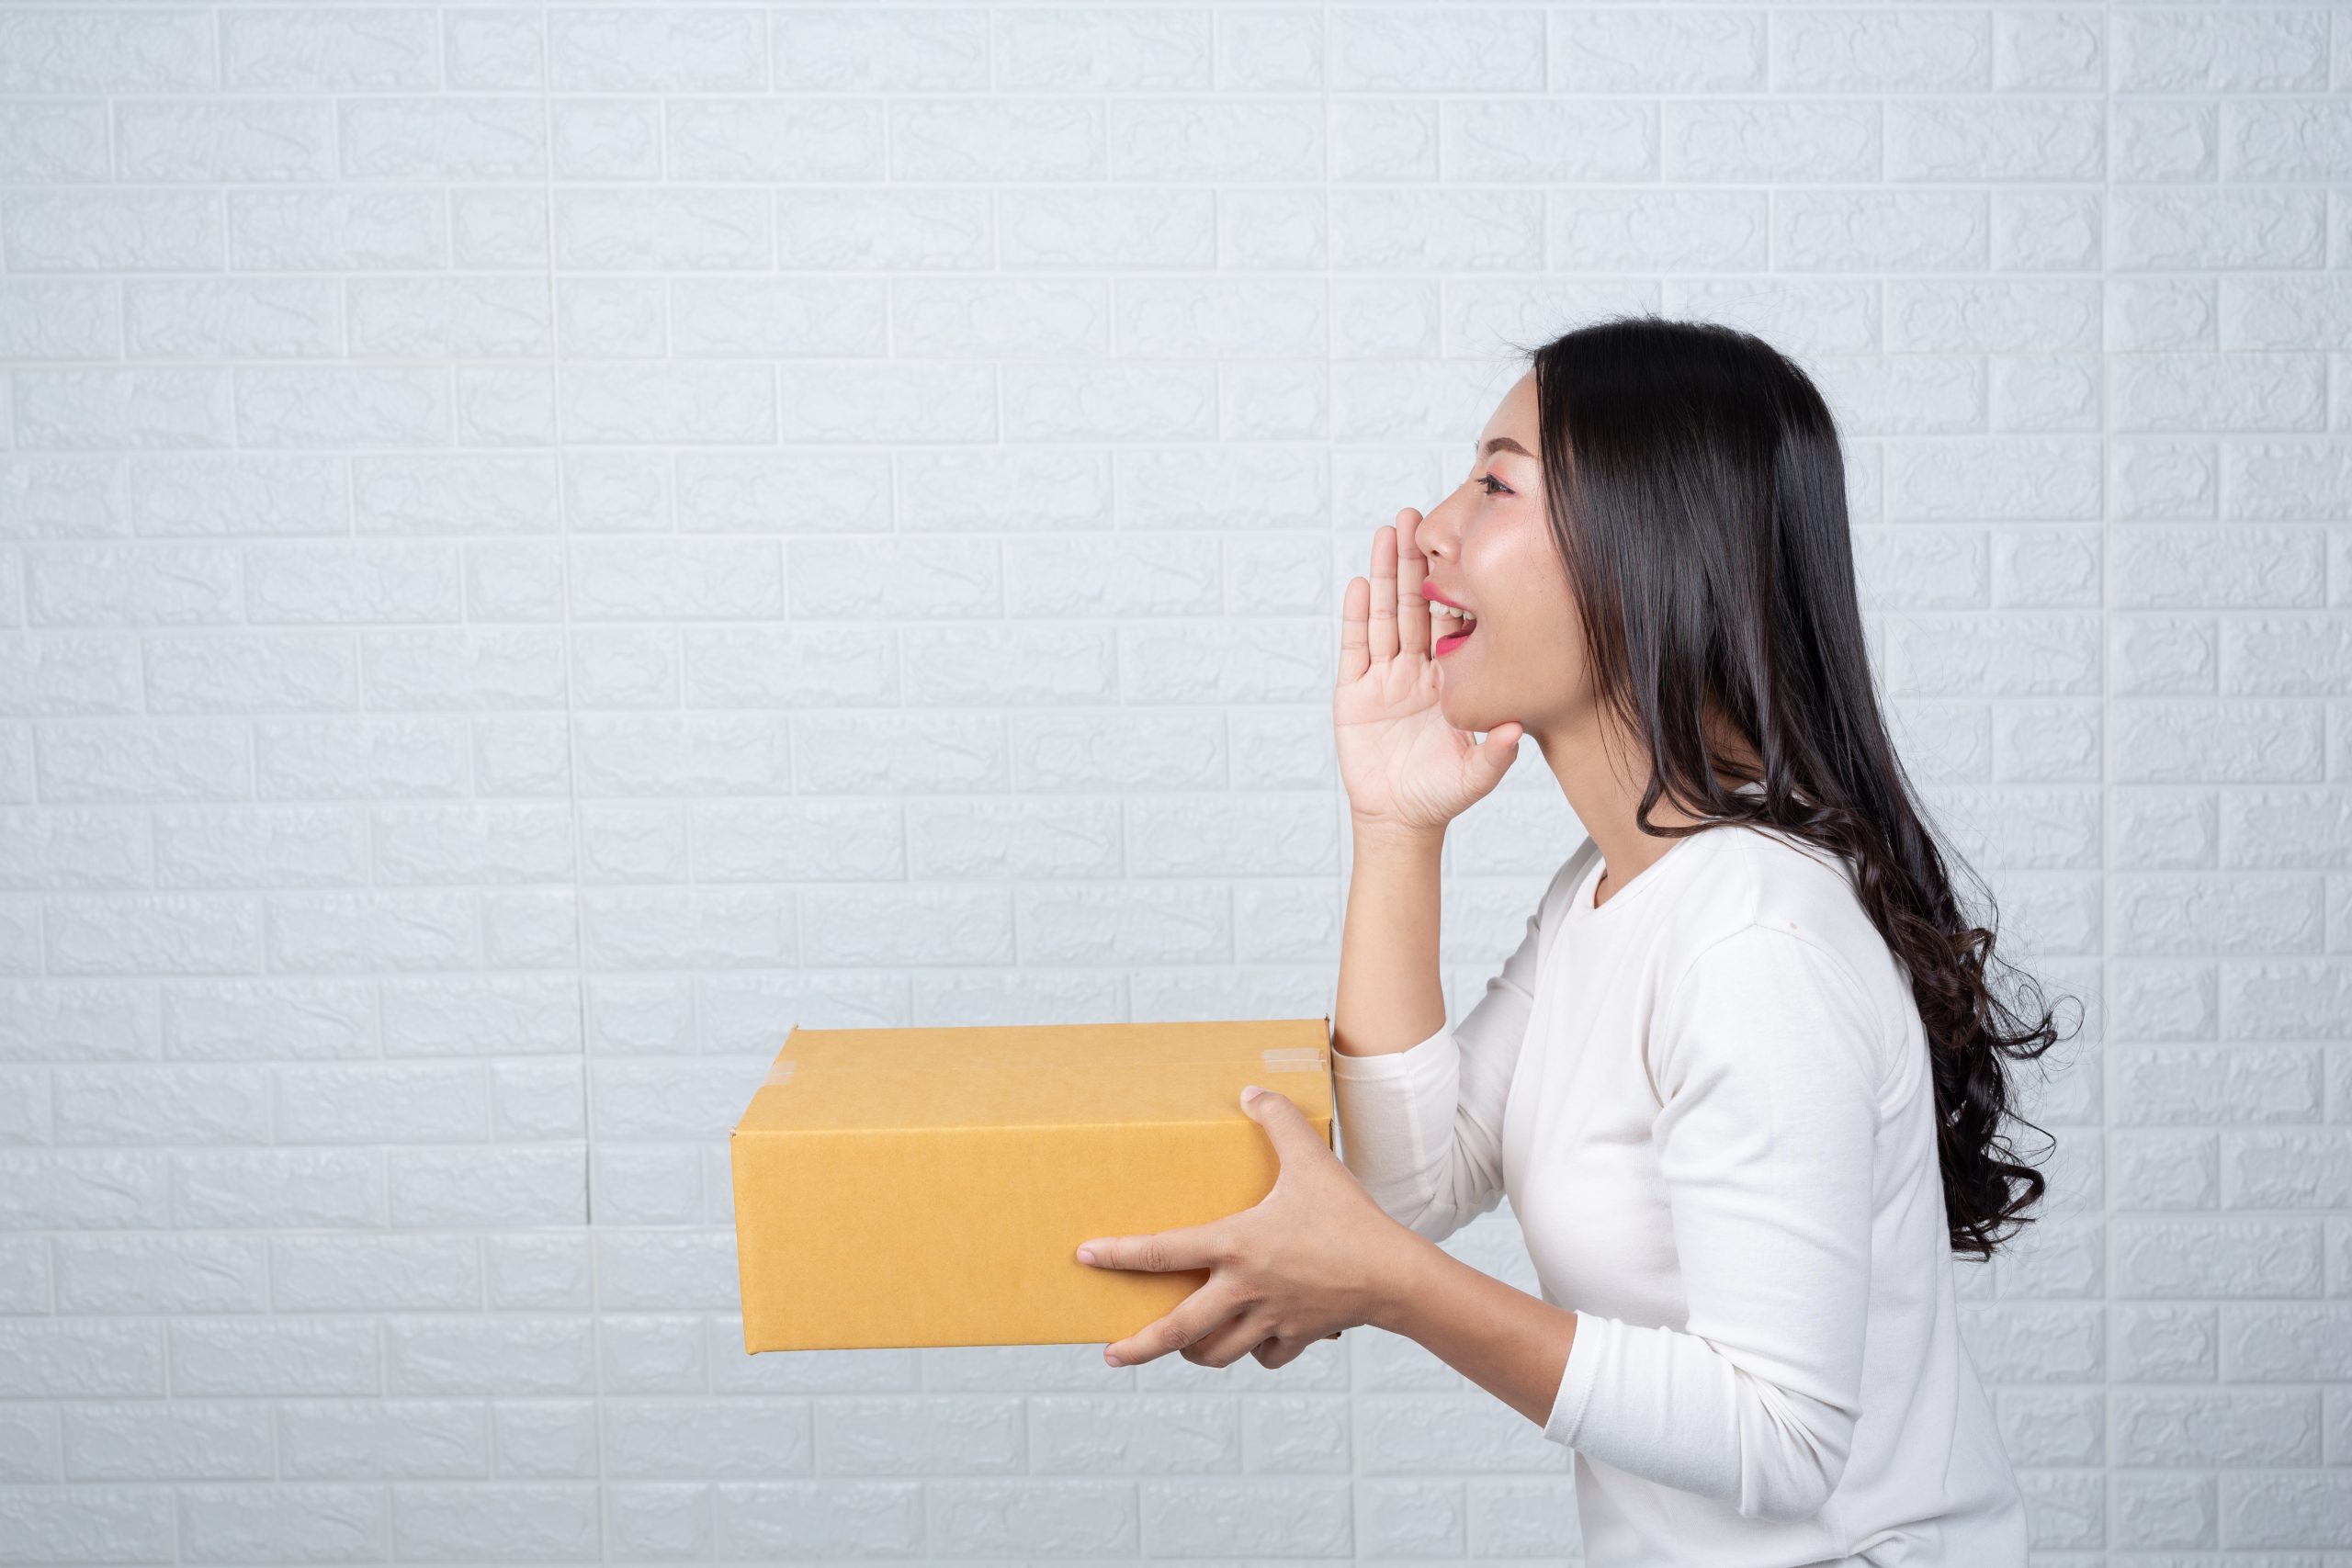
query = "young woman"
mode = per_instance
[{"x": 1746, "y": 1080}]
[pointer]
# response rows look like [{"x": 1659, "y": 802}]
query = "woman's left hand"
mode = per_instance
[{"x": 1312, "y": 1255}]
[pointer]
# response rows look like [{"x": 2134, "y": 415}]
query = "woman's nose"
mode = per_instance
[{"x": 1435, "y": 535}]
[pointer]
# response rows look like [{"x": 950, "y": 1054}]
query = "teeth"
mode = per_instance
[{"x": 1447, "y": 611}]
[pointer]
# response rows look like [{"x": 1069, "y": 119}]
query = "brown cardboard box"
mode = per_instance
[{"x": 930, "y": 1186}]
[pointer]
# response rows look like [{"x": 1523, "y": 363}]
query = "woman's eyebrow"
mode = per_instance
[{"x": 1505, "y": 443}]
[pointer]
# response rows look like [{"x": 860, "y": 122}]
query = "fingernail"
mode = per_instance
[
  {"x": 1086, "y": 1255},
  {"x": 1250, "y": 1092}
]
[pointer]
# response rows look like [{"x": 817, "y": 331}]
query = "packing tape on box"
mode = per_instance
[{"x": 1281, "y": 1059}]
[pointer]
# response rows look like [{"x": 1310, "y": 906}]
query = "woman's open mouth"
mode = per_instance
[{"x": 1442, "y": 617}]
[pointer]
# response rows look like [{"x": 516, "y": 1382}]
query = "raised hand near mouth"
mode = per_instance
[{"x": 1404, "y": 765}]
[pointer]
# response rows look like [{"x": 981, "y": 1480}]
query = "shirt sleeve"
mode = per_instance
[
  {"x": 1422, "y": 1128},
  {"x": 1768, "y": 1060}
]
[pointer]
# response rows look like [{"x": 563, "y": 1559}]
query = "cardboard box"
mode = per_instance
[{"x": 930, "y": 1186}]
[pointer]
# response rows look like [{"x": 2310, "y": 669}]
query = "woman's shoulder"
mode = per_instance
[
  {"x": 1764, "y": 879},
  {"x": 1767, "y": 944}
]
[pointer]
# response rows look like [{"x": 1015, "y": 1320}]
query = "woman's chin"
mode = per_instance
[{"x": 1458, "y": 714}]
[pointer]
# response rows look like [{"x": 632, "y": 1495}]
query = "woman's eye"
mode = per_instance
[{"x": 1493, "y": 484}]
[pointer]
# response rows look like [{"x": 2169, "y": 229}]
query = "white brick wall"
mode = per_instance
[{"x": 540, "y": 545}]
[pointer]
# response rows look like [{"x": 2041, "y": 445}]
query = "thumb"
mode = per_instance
[
  {"x": 1286, "y": 1125},
  {"x": 1501, "y": 746}
]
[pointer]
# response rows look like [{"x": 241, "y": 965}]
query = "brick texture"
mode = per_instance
[{"x": 540, "y": 545}]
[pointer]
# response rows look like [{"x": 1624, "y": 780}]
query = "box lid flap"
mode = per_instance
[{"x": 1036, "y": 1075}]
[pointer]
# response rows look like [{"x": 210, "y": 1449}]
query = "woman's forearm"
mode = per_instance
[
  {"x": 1390, "y": 996},
  {"x": 1512, "y": 1345}
]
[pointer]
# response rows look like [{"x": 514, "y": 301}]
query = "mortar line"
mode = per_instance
[
  {"x": 571, "y": 778},
  {"x": 2105, "y": 1121}
]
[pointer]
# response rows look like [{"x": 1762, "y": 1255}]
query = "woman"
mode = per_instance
[{"x": 1745, "y": 1080}]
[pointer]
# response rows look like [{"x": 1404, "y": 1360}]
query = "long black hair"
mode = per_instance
[{"x": 1698, "y": 498}]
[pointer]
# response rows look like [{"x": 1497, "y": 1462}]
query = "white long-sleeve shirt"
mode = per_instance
[{"x": 1709, "y": 1103}]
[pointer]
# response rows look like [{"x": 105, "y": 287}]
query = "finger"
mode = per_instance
[
  {"x": 1355, "y": 654},
  {"x": 1186, "y": 1247},
  {"x": 1286, "y": 1125},
  {"x": 1278, "y": 1351},
  {"x": 1228, "y": 1343},
  {"x": 1196, "y": 1318},
  {"x": 1493, "y": 758},
  {"x": 1384, "y": 595},
  {"x": 1412, "y": 569}
]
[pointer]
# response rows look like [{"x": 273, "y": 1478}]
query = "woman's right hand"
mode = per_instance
[{"x": 1404, "y": 766}]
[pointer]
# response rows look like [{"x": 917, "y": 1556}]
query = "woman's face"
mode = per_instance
[{"x": 1489, "y": 547}]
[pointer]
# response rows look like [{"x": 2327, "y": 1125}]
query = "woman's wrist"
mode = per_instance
[
  {"x": 1401, "y": 1280},
  {"x": 1379, "y": 835}
]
